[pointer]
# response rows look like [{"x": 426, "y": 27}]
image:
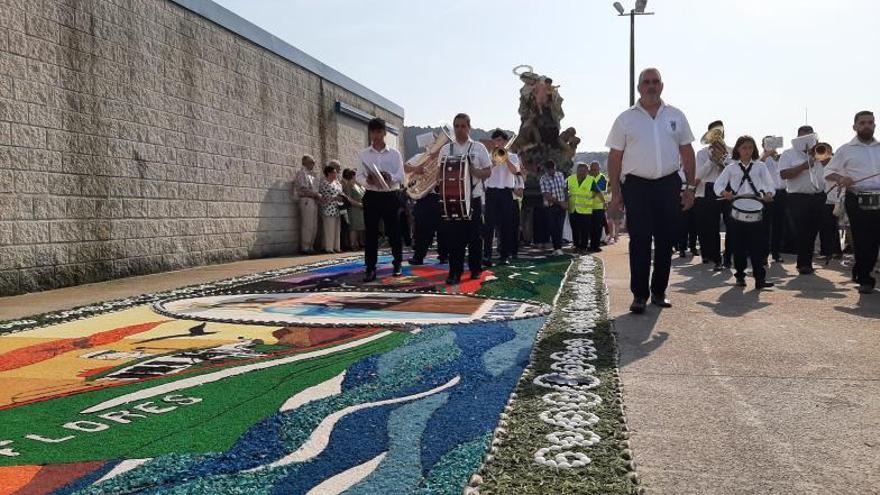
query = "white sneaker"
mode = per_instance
[{"x": 558, "y": 252}]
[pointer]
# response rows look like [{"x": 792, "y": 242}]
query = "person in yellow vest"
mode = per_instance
[
  {"x": 597, "y": 221},
  {"x": 580, "y": 200}
]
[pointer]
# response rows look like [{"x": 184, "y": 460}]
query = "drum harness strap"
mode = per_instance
[{"x": 747, "y": 177}]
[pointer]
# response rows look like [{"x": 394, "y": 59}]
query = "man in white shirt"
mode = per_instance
[
  {"x": 500, "y": 204},
  {"x": 806, "y": 199},
  {"x": 381, "y": 200},
  {"x": 856, "y": 167},
  {"x": 708, "y": 210},
  {"x": 461, "y": 234},
  {"x": 306, "y": 185},
  {"x": 648, "y": 144},
  {"x": 776, "y": 211}
]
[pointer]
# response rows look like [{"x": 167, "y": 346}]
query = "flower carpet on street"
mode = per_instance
[{"x": 308, "y": 381}]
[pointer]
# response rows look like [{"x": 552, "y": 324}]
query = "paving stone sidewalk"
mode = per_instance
[{"x": 734, "y": 391}]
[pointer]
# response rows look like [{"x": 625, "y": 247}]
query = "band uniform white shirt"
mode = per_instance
[
  {"x": 386, "y": 160},
  {"x": 733, "y": 175},
  {"x": 502, "y": 177},
  {"x": 707, "y": 171},
  {"x": 857, "y": 160},
  {"x": 650, "y": 145},
  {"x": 808, "y": 181},
  {"x": 479, "y": 158},
  {"x": 773, "y": 167}
]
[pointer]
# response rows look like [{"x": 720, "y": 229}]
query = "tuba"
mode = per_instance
[
  {"x": 419, "y": 185},
  {"x": 714, "y": 138}
]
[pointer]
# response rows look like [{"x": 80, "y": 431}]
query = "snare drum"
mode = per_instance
[
  {"x": 868, "y": 200},
  {"x": 455, "y": 188},
  {"x": 747, "y": 210}
]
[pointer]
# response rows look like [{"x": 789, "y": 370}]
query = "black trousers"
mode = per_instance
[
  {"x": 829, "y": 233},
  {"x": 540, "y": 224},
  {"x": 465, "y": 234},
  {"x": 384, "y": 207},
  {"x": 729, "y": 233},
  {"x": 865, "y": 226},
  {"x": 805, "y": 211},
  {"x": 516, "y": 230},
  {"x": 778, "y": 221},
  {"x": 749, "y": 244},
  {"x": 597, "y": 224},
  {"x": 427, "y": 223},
  {"x": 581, "y": 224},
  {"x": 687, "y": 237},
  {"x": 500, "y": 207},
  {"x": 708, "y": 214},
  {"x": 653, "y": 213},
  {"x": 556, "y": 223}
]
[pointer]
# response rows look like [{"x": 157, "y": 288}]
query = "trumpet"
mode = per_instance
[{"x": 501, "y": 155}]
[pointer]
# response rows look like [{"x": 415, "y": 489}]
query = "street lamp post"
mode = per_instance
[{"x": 638, "y": 10}]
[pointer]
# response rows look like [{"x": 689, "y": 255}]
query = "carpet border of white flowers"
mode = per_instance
[
  {"x": 558, "y": 438},
  {"x": 570, "y": 404}
]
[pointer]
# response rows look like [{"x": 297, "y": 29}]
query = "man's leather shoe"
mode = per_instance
[
  {"x": 660, "y": 300},
  {"x": 487, "y": 262},
  {"x": 369, "y": 275},
  {"x": 504, "y": 262},
  {"x": 807, "y": 270},
  {"x": 740, "y": 281},
  {"x": 476, "y": 275},
  {"x": 763, "y": 285},
  {"x": 866, "y": 289},
  {"x": 398, "y": 271},
  {"x": 453, "y": 279},
  {"x": 637, "y": 306}
]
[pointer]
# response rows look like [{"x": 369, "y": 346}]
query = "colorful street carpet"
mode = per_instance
[{"x": 295, "y": 381}]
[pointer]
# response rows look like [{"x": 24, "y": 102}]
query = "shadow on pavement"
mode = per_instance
[
  {"x": 868, "y": 306},
  {"x": 635, "y": 334},
  {"x": 736, "y": 301},
  {"x": 815, "y": 287}
]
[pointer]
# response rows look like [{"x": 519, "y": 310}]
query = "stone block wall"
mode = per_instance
[{"x": 137, "y": 136}]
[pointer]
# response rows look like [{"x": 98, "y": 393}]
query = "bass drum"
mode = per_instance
[{"x": 455, "y": 194}]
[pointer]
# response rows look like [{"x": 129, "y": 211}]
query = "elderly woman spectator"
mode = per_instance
[
  {"x": 331, "y": 202},
  {"x": 354, "y": 192}
]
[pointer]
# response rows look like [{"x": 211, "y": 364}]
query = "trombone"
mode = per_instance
[{"x": 502, "y": 154}]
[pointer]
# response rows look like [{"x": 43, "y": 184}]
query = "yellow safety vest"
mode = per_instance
[
  {"x": 599, "y": 201},
  {"x": 581, "y": 195}
]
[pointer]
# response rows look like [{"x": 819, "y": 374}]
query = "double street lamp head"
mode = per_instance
[{"x": 640, "y": 7}]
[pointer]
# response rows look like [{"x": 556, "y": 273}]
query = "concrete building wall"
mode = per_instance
[{"x": 139, "y": 136}]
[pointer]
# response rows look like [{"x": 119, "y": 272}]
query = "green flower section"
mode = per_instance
[
  {"x": 514, "y": 471},
  {"x": 535, "y": 280},
  {"x": 220, "y": 413}
]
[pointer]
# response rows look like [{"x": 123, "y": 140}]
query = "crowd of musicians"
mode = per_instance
[{"x": 673, "y": 199}]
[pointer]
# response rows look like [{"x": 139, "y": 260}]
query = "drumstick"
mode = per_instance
[{"x": 855, "y": 181}]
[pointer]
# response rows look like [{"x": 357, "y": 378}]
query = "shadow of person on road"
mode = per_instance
[
  {"x": 814, "y": 287},
  {"x": 700, "y": 277},
  {"x": 636, "y": 336},
  {"x": 868, "y": 306},
  {"x": 736, "y": 302}
]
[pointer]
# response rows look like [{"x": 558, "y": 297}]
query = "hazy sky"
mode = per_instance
[{"x": 754, "y": 64}]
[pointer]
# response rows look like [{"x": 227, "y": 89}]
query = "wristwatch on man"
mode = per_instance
[{"x": 691, "y": 187}]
